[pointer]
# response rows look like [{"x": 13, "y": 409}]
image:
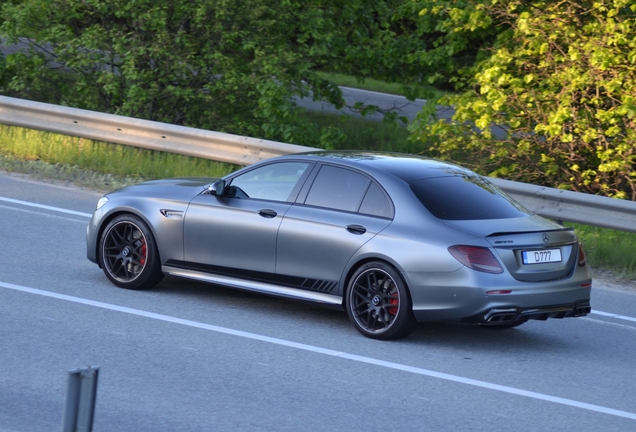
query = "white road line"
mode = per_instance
[
  {"x": 608, "y": 323},
  {"x": 612, "y": 315},
  {"x": 325, "y": 351},
  {"x": 401, "y": 99},
  {"x": 39, "y": 213},
  {"x": 42, "y": 206}
]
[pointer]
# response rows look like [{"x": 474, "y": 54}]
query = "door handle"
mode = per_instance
[
  {"x": 356, "y": 229},
  {"x": 267, "y": 213}
]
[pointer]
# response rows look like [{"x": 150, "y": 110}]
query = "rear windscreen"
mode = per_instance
[{"x": 465, "y": 198}]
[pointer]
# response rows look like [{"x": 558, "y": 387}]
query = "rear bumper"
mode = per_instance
[
  {"x": 470, "y": 296},
  {"x": 499, "y": 316}
]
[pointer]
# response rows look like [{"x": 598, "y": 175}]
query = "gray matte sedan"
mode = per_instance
[{"x": 393, "y": 239}]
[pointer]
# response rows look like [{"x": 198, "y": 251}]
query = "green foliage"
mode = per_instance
[
  {"x": 438, "y": 39},
  {"x": 608, "y": 249},
  {"x": 562, "y": 85},
  {"x": 227, "y": 65},
  {"x": 231, "y": 65},
  {"x": 361, "y": 134},
  {"x": 395, "y": 43},
  {"x": 557, "y": 77}
]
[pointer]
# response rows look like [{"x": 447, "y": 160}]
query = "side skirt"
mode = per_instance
[{"x": 254, "y": 286}]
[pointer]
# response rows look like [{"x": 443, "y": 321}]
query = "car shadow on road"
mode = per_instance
[
  {"x": 539, "y": 336},
  {"x": 223, "y": 296}
]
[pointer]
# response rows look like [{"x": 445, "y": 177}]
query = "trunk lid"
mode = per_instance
[{"x": 532, "y": 249}]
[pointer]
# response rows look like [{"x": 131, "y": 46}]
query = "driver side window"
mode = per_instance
[{"x": 273, "y": 182}]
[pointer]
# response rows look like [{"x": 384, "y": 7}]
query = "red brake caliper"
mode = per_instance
[
  {"x": 144, "y": 251},
  {"x": 393, "y": 300}
]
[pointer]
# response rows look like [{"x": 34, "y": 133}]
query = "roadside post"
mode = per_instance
[{"x": 81, "y": 393}]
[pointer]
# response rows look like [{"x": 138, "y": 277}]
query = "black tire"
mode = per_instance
[
  {"x": 378, "y": 302},
  {"x": 128, "y": 253}
]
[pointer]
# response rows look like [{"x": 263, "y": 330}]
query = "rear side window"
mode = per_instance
[
  {"x": 338, "y": 188},
  {"x": 465, "y": 198},
  {"x": 375, "y": 203}
]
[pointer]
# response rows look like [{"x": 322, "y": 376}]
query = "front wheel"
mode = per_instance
[
  {"x": 378, "y": 302},
  {"x": 128, "y": 253}
]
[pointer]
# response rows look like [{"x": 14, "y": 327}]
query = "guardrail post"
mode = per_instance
[{"x": 81, "y": 393}]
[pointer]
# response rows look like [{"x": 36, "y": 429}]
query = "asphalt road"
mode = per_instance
[
  {"x": 192, "y": 357},
  {"x": 383, "y": 101}
]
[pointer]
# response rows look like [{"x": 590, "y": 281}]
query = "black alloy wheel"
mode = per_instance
[
  {"x": 378, "y": 302},
  {"x": 128, "y": 253}
]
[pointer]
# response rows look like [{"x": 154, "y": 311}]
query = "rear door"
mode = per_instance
[{"x": 341, "y": 211}]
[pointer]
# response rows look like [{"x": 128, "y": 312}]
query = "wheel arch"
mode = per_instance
[
  {"x": 119, "y": 212},
  {"x": 365, "y": 260}
]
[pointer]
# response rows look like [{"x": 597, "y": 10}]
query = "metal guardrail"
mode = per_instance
[
  {"x": 551, "y": 203},
  {"x": 140, "y": 133},
  {"x": 562, "y": 205}
]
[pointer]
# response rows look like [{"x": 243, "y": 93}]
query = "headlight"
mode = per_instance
[{"x": 102, "y": 202}]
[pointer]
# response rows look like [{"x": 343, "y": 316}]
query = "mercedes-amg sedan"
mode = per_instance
[{"x": 393, "y": 239}]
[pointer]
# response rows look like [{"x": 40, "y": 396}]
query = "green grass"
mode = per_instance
[
  {"x": 92, "y": 163},
  {"x": 609, "y": 249}
]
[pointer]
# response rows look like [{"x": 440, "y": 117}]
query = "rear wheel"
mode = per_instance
[
  {"x": 128, "y": 253},
  {"x": 378, "y": 302}
]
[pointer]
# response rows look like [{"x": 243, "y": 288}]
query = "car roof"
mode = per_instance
[{"x": 408, "y": 167}]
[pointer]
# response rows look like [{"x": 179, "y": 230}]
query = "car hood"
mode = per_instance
[
  {"x": 172, "y": 188},
  {"x": 488, "y": 227}
]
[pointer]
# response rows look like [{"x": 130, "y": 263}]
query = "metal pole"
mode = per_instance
[{"x": 81, "y": 393}]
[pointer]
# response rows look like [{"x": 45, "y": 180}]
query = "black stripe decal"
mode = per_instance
[{"x": 283, "y": 280}]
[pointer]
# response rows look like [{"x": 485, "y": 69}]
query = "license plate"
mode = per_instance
[{"x": 541, "y": 256}]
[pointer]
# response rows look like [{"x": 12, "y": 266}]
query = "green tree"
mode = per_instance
[
  {"x": 229, "y": 65},
  {"x": 233, "y": 65},
  {"x": 561, "y": 83},
  {"x": 416, "y": 43},
  {"x": 437, "y": 39}
]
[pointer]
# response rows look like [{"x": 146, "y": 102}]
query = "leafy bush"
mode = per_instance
[{"x": 561, "y": 84}]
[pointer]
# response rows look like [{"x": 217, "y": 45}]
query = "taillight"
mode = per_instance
[
  {"x": 476, "y": 258},
  {"x": 582, "y": 258}
]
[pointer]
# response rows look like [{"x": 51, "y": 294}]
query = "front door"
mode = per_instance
[{"x": 235, "y": 233}]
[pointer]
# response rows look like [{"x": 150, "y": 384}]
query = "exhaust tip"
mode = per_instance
[
  {"x": 582, "y": 310},
  {"x": 500, "y": 316}
]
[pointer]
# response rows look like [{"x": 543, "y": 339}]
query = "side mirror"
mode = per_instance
[{"x": 216, "y": 188}]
